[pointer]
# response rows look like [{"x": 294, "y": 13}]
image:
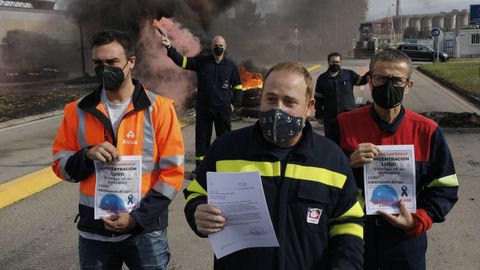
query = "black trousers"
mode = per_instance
[
  {"x": 388, "y": 248},
  {"x": 203, "y": 128}
]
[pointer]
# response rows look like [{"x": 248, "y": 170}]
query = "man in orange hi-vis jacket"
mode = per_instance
[{"x": 124, "y": 145}]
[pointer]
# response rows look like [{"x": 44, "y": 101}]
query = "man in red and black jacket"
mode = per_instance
[{"x": 398, "y": 241}]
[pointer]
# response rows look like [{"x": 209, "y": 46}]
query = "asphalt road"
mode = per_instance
[{"x": 38, "y": 232}]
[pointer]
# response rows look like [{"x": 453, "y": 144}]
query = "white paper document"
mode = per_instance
[
  {"x": 240, "y": 197},
  {"x": 118, "y": 187},
  {"x": 390, "y": 178}
]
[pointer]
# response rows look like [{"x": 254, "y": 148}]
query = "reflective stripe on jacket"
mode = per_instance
[
  {"x": 437, "y": 183},
  {"x": 315, "y": 176},
  {"x": 218, "y": 84},
  {"x": 149, "y": 128}
]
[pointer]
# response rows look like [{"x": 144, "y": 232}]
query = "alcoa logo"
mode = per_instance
[{"x": 129, "y": 140}]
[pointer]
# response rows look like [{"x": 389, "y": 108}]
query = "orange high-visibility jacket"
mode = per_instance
[{"x": 149, "y": 128}]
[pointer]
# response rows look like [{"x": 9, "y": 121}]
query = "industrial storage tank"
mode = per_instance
[
  {"x": 450, "y": 21},
  {"x": 405, "y": 21},
  {"x": 462, "y": 19},
  {"x": 400, "y": 23},
  {"x": 439, "y": 21},
  {"x": 415, "y": 23},
  {"x": 426, "y": 23}
]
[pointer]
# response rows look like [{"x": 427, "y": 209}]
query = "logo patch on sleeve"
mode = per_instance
[{"x": 313, "y": 215}]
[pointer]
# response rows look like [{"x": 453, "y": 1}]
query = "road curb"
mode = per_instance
[
  {"x": 25, "y": 186},
  {"x": 29, "y": 119},
  {"x": 22, "y": 187},
  {"x": 314, "y": 67}
]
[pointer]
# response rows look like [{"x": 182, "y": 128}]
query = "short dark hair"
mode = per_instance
[
  {"x": 108, "y": 36},
  {"x": 391, "y": 55},
  {"x": 294, "y": 68},
  {"x": 334, "y": 54}
]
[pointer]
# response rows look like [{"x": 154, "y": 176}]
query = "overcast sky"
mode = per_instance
[
  {"x": 379, "y": 8},
  {"x": 376, "y": 8}
]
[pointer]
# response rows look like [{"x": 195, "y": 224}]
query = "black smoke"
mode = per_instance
[
  {"x": 301, "y": 29},
  {"x": 323, "y": 25},
  {"x": 128, "y": 15}
]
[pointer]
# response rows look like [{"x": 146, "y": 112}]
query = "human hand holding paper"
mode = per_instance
[
  {"x": 403, "y": 221},
  {"x": 209, "y": 219},
  {"x": 363, "y": 154},
  {"x": 121, "y": 222}
]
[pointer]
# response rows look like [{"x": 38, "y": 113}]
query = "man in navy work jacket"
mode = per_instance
[
  {"x": 334, "y": 90},
  {"x": 219, "y": 91},
  {"x": 398, "y": 241},
  {"x": 307, "y": 181}
]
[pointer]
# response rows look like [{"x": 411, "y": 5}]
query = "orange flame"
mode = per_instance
[{"x": 250, "y": 80}]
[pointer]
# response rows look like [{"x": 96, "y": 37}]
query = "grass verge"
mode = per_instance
[{"x": 462, "y": 75}]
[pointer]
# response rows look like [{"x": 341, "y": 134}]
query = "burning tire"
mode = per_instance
[{"x": 251, "y": 98}]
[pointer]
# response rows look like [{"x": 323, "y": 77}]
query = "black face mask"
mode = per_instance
[
  {"x": 279, "y": 126},
  {"x": 218, "y": 51},
  {"x": 110, "y": 77},
  {"x": 388, "y": 95},
  {"x": 334, "y": 67}
]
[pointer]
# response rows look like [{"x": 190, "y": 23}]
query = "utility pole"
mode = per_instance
[
  {"x": 391, "y": 30},
  {"x": 82, "y": 50},
  {"x": 397, "y": 13},
  {"x": 296, "y": 43}
]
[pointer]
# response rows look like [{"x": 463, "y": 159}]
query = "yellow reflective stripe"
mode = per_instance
[
  {"x": 196, "y": 190},
  {"x": 356, "y": 211},
  {"x": 264, "y": 168},
  {"x": 360, "y": 198},
  {"x": 199, "y": 158},
  {"x": 347, "y": 228},
  {"x": 315, "y": 174},
  {"x": 184, "y": 63},
  {"x": 238, "y": 87},
  {"x": 447, "y": 181},
  {"x": 313, "y": 68}
]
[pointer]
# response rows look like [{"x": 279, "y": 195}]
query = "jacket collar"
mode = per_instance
[
  {"x": 383, "y": 125},
  {"x": 89, "y": 104},
  {"x": 222, "y": 62},
  {"x": 261, "y": 147},
  {"x": 140, "y": 99},
  {"x": 339, "y": 75}
]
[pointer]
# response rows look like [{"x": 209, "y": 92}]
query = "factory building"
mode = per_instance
[
  {"x": 458, "y": 38},
  {"x": 40, "y": 17}
]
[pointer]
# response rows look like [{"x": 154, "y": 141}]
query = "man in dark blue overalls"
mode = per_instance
[
  {"x": 219, "y": 91},
  {"x": 334, "y": 90}
]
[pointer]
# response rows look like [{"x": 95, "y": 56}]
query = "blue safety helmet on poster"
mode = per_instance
[
  {"x": 384, "y": 194},
  {"x": 112, "y": 203}
]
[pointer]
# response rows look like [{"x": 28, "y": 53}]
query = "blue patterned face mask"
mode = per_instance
[{"x": 279, "y": 126}]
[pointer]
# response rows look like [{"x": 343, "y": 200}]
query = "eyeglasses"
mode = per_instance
[{"x": 397, "y": 81}]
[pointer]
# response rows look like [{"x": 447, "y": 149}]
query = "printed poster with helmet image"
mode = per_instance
[
  {"x": 118, "y": 186},
  {"x": 389, "y": 179}
]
